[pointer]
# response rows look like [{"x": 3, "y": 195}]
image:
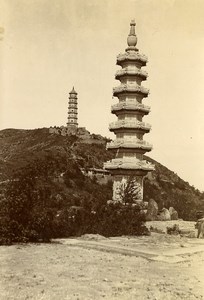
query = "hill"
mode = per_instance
[{"x": 20, "y": 148}]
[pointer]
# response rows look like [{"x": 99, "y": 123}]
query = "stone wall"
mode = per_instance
[
  {"x": 81, "y": 132},
  {"x": 62, "y": 130},
  {"x": 102, "y": 176}
]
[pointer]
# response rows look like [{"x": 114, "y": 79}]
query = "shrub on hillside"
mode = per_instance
[
  {"x": 109, "y": 220},
  {"x": 36, "y": 207},
  {"x": 119, "y": 219},
  {"x": 27, "y": 208}
]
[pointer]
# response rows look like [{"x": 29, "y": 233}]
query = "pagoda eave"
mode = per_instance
[
  {"x": 128, "y": 110},
  {"x": 117, "y": 93},
  {"x": 129, "y": 127},
  {"x": 72, "y": 118},
  {"x": 129, "y": 107},
  {"x": 129, "y": 90},
  {"x": 128, "y": 172},
  {"x": 139, "y": 147},
  {"x": 124, "y": 164},
  {"x": 121, "y": 60},
  {"x": 74, "y": 124},
  {"x": 118, "y": 76}
]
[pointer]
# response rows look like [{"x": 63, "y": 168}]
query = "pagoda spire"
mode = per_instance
[
  {"x": 132, "y": 38},
  {"x": 73, "y": 91}
]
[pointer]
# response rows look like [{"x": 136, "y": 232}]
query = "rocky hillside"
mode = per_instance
[
  {"x": 168, "y": 189},
  {"x": 19, "y": 148}
]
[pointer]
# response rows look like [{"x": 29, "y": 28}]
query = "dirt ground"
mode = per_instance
[{"x": 93, "y": 267}]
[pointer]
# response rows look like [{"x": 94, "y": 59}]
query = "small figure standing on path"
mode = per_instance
[{"x": 200, "y": 226}]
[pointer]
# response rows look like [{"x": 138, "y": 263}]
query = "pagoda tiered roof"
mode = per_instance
[
  {"x": 130, "y": 106},
  {"x": 133, "y": 125},
  {"x": 129, "y": 144},
  {"x": 133, "y": 56},
  {"x": 72, "y": 117},
  {"x": 131, "y": 72},
  {"x": 133, "y": 164},
  {"x": 125, "y": 88}
]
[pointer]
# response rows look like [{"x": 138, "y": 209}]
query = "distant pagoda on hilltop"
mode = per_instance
[
  {"x": 72, "y": 128},
  {"x": 129, "y": 129},
  {"x": 72, "y": 109}
]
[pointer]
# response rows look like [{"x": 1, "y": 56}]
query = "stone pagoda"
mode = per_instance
[
  {"x": 72, "y": 122},
  {"x": 72, "y": 109},
  {"x": 129, "y": 128}
]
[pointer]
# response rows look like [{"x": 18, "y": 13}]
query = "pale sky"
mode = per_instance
[{"x": 50, "y": 45}]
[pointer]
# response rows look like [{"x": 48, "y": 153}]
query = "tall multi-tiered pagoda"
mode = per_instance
[
  {"x": 72, "y": 109},
  {"x": 129, "y": 129}
]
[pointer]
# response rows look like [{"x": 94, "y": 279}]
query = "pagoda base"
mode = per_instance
[
  {"x": 131, "y": 185},
  {"x": 128, "y": 174}
]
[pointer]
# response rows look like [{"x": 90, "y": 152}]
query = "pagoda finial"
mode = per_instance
[
  {"x": 132, "y": 38},
  {"x": 73, "y": 91}
]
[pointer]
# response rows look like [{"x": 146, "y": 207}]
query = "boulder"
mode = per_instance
[
  {"x": 145, "y": 203},
  {"x": 185, "y": 231},
  {"x": 152, "y": 210},
  {"x": 199, "y": 214},
  {"x": 173, "y": 230},
  {"x": 191, "y": 234},
  {"x": 164, "y": 215},
  {"x": 157, "y": 230},
  {"x": 173, "y": 213}
]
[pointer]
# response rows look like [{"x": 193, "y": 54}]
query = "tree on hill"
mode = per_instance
[
  {"x": 37, "y": 207},
  {"x": 27, "y": 207},
  {"x": 130, "y": 191}
]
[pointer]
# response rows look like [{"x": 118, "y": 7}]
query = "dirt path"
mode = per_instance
[{"x": 69, "y": 271}]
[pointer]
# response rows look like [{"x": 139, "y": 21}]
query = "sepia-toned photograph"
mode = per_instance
[{"x": 101, "y": 149}]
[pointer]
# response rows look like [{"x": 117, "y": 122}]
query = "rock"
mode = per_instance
[
  {"x": 173, "y": 213},
  {"x": 173, "y": 230},
  {"x": 92, "y": 237},
  {"x": 164, "y": 215},
  {"x": 199, "y": 214},
  {"x": 185, "y": 231},
  {"x": 145, "y": 203},
  {"x": 157, "y": 230},
  {"x": 192, "y": 234},
  {"x": 174, "y": 216},
  {"x": 152, "y": 210}
]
